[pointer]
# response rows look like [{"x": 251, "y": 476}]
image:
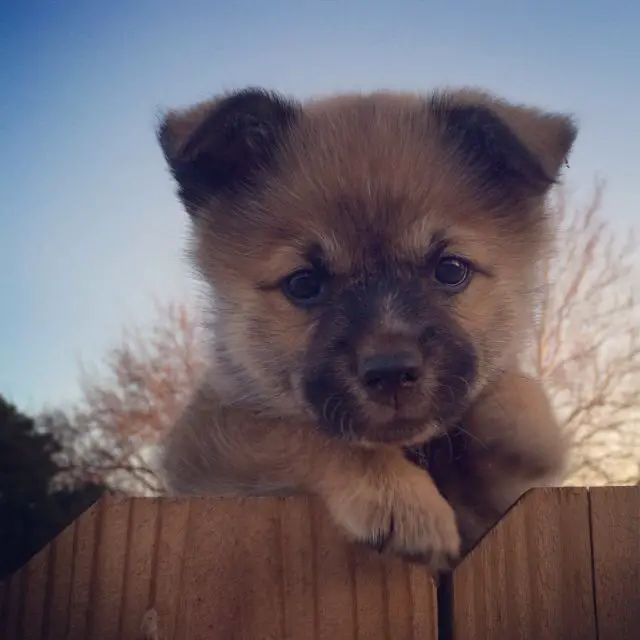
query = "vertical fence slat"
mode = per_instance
[
  {"x": 35, "y": 594},
  {"x": 615, "y": 525},
  {"x": 400, "y": 605},
  {"x": 10, "y": 624},
  {"x": 230, "y": 586},
  {"x": 531, "y": 577},
  {"x": 369, "y": 591},
  {"x": 4, "y": 606},
  {"x": 298, "y": 557},
  {"x": 83, "y": 559},
  {"x": 142, "y": 539},
  {"x": 335, "y": 581},
  {"x": 60, "y": 585},
  {"x": 110, "y": 552},
  {"x": 171, "y": 535},
  {"x": 424, "y": 616}
]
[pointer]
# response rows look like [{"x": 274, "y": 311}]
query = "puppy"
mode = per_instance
[{"x": 372, "y": 263}]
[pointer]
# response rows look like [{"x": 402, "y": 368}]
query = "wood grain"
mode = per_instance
[
  {"x": 564, "y": 563},
  {"x": 139, "y": 558},
  {"x": 615, "y": 525},
  {"x": 531, "y": 576},
  {"x": 205, "y": 568},
  {"x": 57, "y": 612}
]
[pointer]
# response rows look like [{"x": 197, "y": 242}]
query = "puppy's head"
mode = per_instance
[{"x": 373, "y": 257}]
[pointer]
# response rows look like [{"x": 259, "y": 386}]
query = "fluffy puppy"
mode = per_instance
[{"x": 372, "y": 262}]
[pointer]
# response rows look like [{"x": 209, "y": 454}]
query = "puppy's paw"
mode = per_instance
[{"x": 397, "y": 507}]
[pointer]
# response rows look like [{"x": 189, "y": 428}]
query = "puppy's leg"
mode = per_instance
[
  {"x": 374, "y": 494},
  {"x": 509, "y": 442},
  {"x": 378, "y": 497}
]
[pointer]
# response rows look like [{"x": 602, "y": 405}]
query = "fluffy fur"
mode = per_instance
[{"x": 372, "y": 262}]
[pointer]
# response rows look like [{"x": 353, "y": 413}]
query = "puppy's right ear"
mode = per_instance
[{"x": 221, "y": 146}]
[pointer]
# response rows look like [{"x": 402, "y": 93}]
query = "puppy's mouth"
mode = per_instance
[
  {"x": 402, "y": 432},
  {"x": 344, "y": 417}
]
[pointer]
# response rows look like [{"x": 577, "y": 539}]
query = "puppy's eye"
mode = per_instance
[
  {"x": 453, "y": 272},
  {"x": 305, "y": 287}
]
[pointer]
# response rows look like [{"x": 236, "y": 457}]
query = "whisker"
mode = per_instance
[{"x": 472, "y": 436}]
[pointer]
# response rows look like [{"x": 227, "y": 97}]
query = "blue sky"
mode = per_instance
[{"x": 90, "y": 230}]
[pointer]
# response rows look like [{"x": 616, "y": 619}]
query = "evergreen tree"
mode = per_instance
[{"x": 30, "y": 513}]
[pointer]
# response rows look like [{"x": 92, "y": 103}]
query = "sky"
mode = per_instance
[{"x": 91, "y": 232}]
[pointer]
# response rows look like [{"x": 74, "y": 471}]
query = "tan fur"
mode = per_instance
[{"x": 376, "y": 182}]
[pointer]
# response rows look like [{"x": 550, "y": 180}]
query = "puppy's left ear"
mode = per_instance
[
  {"x": 548, "y": 135},
  {"x": 511, "y": 148}
]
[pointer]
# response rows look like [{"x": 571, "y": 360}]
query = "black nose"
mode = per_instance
[{"x": 385, "y": 374}]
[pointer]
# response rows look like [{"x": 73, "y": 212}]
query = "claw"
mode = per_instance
[
  {"x": 379, "y": 542},
  {"x": 382, "y": 539}
]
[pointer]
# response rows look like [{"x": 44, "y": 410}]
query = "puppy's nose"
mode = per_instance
[{"x": 386, "y": 374}]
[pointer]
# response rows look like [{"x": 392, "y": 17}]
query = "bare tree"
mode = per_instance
[
  {"x": 111, "y": 434},
  {"x": 587, "y": 346}
]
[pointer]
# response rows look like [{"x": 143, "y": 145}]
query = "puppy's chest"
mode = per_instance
[{"x": 439, "y": 453}]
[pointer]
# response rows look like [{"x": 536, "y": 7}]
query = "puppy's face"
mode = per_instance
[{"x": 372, "y": 256}]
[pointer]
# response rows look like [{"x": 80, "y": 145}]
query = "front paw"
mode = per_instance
[{"x": 398, "y": 507}]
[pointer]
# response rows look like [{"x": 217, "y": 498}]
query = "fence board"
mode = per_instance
[
  {"x": 11, "y": 618},
  {"x": 36, "y": 575},
  {"x": 298, "y": 562},
  {"x": 169, "y": 555},
  {"x": 85, "y": 542},
  {"x": 108, "y": 569},
  {"x": 4, "y": 606},
  {"x": 335, "y": 586},
  {"x": 230, "y": 584},
  {"x": 140, "y": 554},
  {"x": 531, "y": 577},
  {"x": 203, "y": 569},
  {"x": 57, "y": 612},
  {"x": 615, "y": 525}
]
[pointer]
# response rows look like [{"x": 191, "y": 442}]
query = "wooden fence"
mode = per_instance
[{"x": 563, "y": 564}]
